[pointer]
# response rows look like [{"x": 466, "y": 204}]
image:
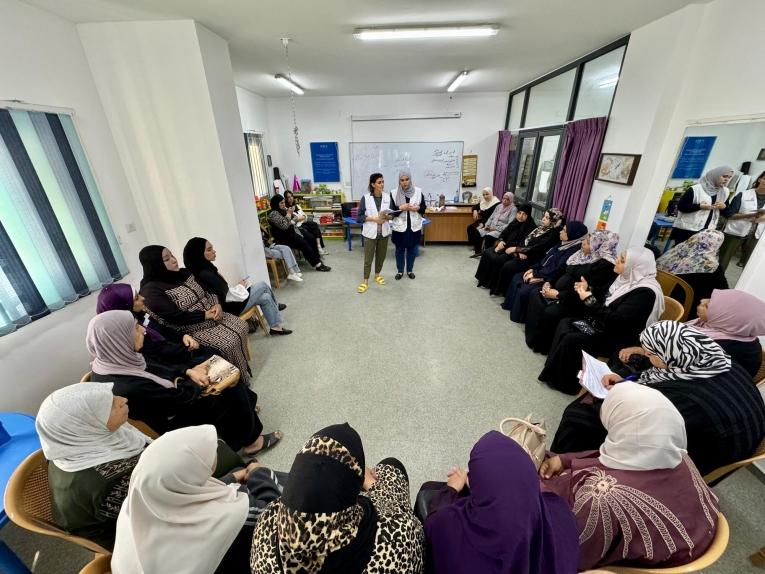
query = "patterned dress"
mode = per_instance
[
  {"x": 654, "y": 517},
  {"x": 182, "y": 308}
]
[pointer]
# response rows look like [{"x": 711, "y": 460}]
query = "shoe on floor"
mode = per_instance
[
  {"x": 323, "y": 267},
  {"x": 475, "y": 256},
  {"x": 282, "y": 332},
  {"x": 398, "y": 276},
  {"x": 295, "y": 277},
  {"x": 282, "y": 306},
  {"x": 323, "y": 251},
  {"x": 410, "y": 275}
]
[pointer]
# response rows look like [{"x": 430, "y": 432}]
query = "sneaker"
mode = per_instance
[
  {"x": 323, "y": 267},
  {"x": 295, "y": 277},
  {"x": 323, "y": 251}
]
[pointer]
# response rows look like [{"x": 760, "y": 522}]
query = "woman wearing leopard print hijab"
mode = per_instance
[{"x": 335, "y": 516}]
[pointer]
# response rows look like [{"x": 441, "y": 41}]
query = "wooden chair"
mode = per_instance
[
  {"x": 723, "y": 471},
  {"x": 100, "y": 565},
  {"x": 759, "y": 378},
  {"x": 140, "y": 425},
  {"x": 271, "y": 262},
  {"x": 28, "y": 503},
  {"x": 713, "y": 553},
  {"x": 255, "y": 311},
  {"x": 673, "y": 310},
  {"x": 668, "y": 282}
]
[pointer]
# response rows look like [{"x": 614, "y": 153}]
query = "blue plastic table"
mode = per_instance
[{"x": 18, "y": 440}]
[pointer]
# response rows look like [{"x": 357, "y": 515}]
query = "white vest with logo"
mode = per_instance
[
  {"x": 695, "y": 221},
  {"x": 399, "y": 222},
  {"x": 742, "y": 227},
  {"x": 369, "y": 229}
]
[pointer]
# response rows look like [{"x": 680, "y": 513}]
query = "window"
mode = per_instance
[
  {"x": 534, "y": 172},
  {"x": 598, "y": 84},
  {"x": 258, "y": 169},
  {"x": 516, "y": 109},
  {"x": 548, "y": 101},
  {"x": 56, "y": 241}
]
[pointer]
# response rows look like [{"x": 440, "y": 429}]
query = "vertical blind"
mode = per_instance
[
  {"x": 56, "y": 241},
  {"x": 258, "y": 169}
]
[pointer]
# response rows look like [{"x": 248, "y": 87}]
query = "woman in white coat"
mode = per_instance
[
  {"x": 407, "y": 225},
  {"x": 700, "y": 206},
  {"x": 375, "y": 211},
  {"x": 746, "y": 222}
]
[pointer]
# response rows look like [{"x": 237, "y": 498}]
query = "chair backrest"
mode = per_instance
[
  {"x": 668, "y": 282},
  {"x": 140, "y": 425},
  {"x": 100, "y": 565},
  {"x": 718, "y": 473},
  {"x": 673, "y": 310},
  {"x": 713, "y": 553},
  {"x": 760, "y": 376},
  {"x": 28, "y": 502}
]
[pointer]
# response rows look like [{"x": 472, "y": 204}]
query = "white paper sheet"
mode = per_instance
[{"x": 591, "y": 375}]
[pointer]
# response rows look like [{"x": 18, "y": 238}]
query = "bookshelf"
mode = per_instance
[{"x": 326, "y": 210}]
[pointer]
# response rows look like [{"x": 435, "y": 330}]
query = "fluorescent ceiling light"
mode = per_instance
[
  {"x": 608, "y": 82},
  {"x": 479, "y": 31},
  {"x": 289, "y": 84},
  {"x": 457, "y": 81}
]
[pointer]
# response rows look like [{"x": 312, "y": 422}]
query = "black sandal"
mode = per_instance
[
  {"x": 270, "y": 440},
  {"x": 398, "y": 276}
]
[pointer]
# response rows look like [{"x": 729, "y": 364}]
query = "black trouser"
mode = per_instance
[
  {"x": 306, "y": 246},
  {"x": 312, "y": 231},
  {"x": 474, "y": 238}
]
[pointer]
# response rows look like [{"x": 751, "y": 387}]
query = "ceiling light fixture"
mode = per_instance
[
  {"x": 290, "y": 84},
  {"x": 478, "y": 31},
  {"x": 457, "y": 81}
]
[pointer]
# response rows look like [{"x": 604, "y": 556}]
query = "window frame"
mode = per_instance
[
  {"x": 538, "y": 134},
  {"x": 578, "y": 65}
]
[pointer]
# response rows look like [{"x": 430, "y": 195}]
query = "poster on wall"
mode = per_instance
[
  {"x": 325, "y": 162},
  {"x": 469, "y": 170},
  {"x": 693, "y": 157}
]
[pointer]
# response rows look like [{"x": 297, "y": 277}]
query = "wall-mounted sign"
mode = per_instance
[
  {"x": 469, "y": 170},
  {"x": 693, "y": 157},
  {"x": 325, "y": 162}
]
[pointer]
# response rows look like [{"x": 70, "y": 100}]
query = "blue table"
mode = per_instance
[
  {"x": 661, "y": 226},
  {"x": 350, "y": 222},
  {"x": 18, "y": 439}
]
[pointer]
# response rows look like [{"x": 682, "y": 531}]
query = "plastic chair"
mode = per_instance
[
  {"x": 668, "y": 282},
  {"x": 140, "y": 425},
  {"x": 100, "y": 565},
  {"x": 719, "y": 473},
  {"x": 713, "y": 553},
  {"x": 28, "y": 503},
  {"x": 673, "y": 310}
]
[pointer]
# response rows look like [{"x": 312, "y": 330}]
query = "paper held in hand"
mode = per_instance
[{"x": 591, "y": 375}]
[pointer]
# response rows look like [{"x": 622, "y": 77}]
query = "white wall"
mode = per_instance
[
  {"x": 169, "y": 97},
  {"x": 328, "y": 119},
  {"x": 42, "y": 62},
  {"x": 678, "y": 71}
]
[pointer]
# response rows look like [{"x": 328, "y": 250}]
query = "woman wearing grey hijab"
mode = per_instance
[
  {"x": 407, "y": 225},
  {"x": 700, "y": 206}
]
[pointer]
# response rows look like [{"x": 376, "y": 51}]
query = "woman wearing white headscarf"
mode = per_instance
[
  {"x": 481, "y": 213},
  {"x": 407, "y": 225},
  {"x": 634, "y": 301},
  {"x": 640, "y": 475},
  {"x": 723, "y": 410},
  {"x": 91, "y": 453},
  {"x": 178, "y": 518},
  {"x": 700, "y": 206}
]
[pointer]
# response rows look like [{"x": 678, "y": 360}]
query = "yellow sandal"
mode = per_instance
[
  {"x": 362, "y": 288},
  {"x": 380, "y": 280}
]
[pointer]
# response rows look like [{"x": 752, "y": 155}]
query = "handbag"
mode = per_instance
[
  {"x": 237, "y": 294},
  {"x": 222, "y": 375},
  {"x": 530, "y": 435},
  {"x": 584, "y": 326}
]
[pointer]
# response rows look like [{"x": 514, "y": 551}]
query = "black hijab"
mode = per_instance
[
  {"x": 326, "y": 479},
  {"x": 194, "y": 256},
  {"x": 516, "y": 231},
  {"x": 154, "y": 268},
  {"x": 275, "y": 201}
]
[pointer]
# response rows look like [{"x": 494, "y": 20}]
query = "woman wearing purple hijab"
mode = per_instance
[{"x": 502, "y": 524}]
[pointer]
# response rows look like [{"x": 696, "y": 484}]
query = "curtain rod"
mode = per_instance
[{"x": 22, "y": 105}]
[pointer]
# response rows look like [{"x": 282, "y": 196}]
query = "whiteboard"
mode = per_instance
[{"x": 436, "y": 166}]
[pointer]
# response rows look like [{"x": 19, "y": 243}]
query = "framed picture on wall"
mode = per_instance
[{"x": 618, "y": 168}]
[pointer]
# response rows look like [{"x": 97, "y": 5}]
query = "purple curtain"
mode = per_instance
[
  {"x": 500, "y": 163},
  {"x": 576, "y": 169}
]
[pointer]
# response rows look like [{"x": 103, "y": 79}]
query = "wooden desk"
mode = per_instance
[{"x": 448, "y": 225}]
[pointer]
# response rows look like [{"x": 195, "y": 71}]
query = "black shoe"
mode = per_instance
[
  {"x": 398, "y": 276},
  {"x": 282, "y": 332},
  {"x": 323, "y": 267},
  {"x": 282, "y": 306},
  {"x": 410, "y": 275}
]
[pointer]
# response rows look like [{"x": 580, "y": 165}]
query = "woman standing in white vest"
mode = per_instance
[
  {"x": 699, "y": 207},
  {"x": 407, "y": 225},
  {"x": 374, "y": 215},
  {"x": 746, "y": 222}
]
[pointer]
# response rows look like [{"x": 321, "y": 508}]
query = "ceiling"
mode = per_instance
[{"x": 535, "y": 37}]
